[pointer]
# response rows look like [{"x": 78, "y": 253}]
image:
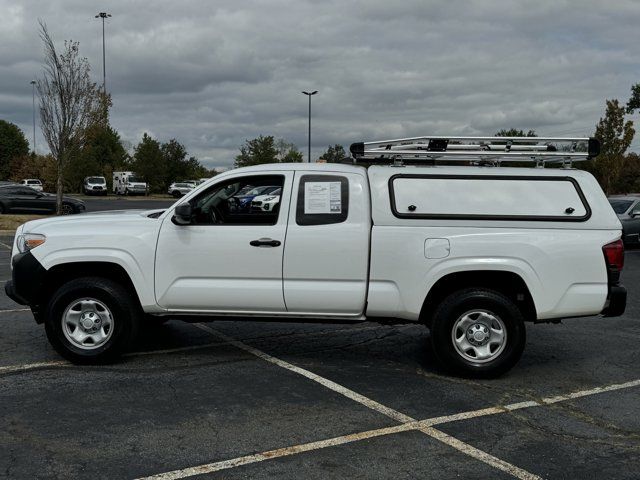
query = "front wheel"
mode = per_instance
[
  {"x": 67, "y": 209},
  {"x": 91, "y": 320},
  {"x": 478, "y": 333}
]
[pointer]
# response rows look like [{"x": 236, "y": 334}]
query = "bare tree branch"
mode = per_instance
[{"x": 69, "y": 102}]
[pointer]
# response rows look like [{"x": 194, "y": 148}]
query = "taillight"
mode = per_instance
[{"x": 614, "y": 254}]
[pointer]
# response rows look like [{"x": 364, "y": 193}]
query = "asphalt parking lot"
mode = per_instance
[{"x": 263, "y": 400}]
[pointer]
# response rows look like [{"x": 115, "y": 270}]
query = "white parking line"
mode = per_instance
[
  {"x": 406, "y": 423},
  {"x": 373, "y": 405},
  {"x": 404, "y": 427},
  {"x": 5, "y": 245},
  {"x": 32, "y": 366},
  {"x": 62, "y": 363},
  {"x": 11, "y": 310},
  {"x": 278, "y": 453}
]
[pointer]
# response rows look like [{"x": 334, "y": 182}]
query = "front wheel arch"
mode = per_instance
[{"x": 65, "y": 272}]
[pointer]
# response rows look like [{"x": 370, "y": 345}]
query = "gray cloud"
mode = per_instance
[{"x": 213, "y": 74}]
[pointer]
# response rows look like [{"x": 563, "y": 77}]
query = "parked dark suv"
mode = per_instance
[{"x": 19, "y": 199}]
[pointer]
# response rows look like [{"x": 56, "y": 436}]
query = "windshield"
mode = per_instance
[
  {"x": 33, "y": 182},
  {"x": 96, "y": 180},
  {"x": 135, "y": 180},
  {"x": 620, "y": 206}
]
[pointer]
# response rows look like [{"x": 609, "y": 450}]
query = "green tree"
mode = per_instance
[
  {"x": 149, "y": 163},
  {"x": 196, "y": 170},
  {"x": 514, "y": 132},
  {"x": 334, "y": 154},
  {"x": 615, "y": 135},
  {"x": 101, "y": 154},
  {"x": 634, "y": 101},
  {"x": 176, "y": 166},
  {"x": 35, "y": 166},
  {"x": 13, "y": 144},
  {"x": 257, "y": 151},
  {"x": 287, "y": 152}
]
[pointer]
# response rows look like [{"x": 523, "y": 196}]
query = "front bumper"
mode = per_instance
[{"x": 27, "y": 280}]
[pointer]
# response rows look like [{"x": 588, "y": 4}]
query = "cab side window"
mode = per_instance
[
  {"x": 322, "y": 200},
  {"x": 251, "y": 200}
]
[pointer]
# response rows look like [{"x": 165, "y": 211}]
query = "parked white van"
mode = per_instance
[{"x": 128, "y": 183}]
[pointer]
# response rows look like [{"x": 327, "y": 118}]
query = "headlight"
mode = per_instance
[{"x": 29, "y": 241}]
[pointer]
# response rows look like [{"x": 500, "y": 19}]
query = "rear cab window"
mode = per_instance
[{"x": 322, "y": 200}]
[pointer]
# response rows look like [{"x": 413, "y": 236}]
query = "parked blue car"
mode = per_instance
[{"x": 242, "y": 200}]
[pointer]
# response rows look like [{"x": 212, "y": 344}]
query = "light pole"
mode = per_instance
[
  {"x": 33, "y": 100},
  {"x": 103, "y": 15},
  {"x": 309, "y": 94}
]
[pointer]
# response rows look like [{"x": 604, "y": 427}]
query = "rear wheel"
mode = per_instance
[
  {"x": 91, "y": 320},
  {"x": 478, "y": 332},
  {"x": 176, "y": 194}
]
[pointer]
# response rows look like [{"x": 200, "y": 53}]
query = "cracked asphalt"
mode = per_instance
[{"x": 185, "y": 397}]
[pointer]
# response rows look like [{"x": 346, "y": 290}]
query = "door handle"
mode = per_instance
[{"x": 265, "y": 242}]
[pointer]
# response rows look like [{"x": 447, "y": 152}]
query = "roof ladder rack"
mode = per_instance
[{"x": 428, "y": 150}]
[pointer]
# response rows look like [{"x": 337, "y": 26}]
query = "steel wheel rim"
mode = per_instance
[
  {"x": 479, "y": 336},
  {"x": 87, "y": 323}
]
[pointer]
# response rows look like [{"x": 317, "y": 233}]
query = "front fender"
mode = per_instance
[{"x": 141, "y": 278}]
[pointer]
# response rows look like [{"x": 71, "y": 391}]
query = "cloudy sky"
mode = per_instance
[{"x": 214, "y": 73}]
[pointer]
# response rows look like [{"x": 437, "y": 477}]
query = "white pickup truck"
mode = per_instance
[{"x": 472, "y": 252}]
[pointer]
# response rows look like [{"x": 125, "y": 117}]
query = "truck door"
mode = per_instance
[
  {"x": 229, "y": 259},
  {"x": 327, "y": 247}
]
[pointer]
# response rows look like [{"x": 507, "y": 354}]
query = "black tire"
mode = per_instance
[
  {"x": 453, "y": 308},
  {"x": 67, "y": 209},
  {"x": 176, "y": 194},
  {"x": 2, "y": 209},
  {"x": 126, "y": 317}
]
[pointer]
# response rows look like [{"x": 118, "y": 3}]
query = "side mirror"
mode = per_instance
[
  {"x": 182, "y": 214},
  {"x": 635, "y": 214}
]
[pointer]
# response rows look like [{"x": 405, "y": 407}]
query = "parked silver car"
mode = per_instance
[
  {"x": 628, "y": 210},
  {"x": 179, "y": 189}
]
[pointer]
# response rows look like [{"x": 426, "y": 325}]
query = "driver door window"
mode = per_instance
[{"x": 251, "y": 200}]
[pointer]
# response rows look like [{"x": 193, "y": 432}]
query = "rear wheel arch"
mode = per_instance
[{"x": 508, "y": 283}]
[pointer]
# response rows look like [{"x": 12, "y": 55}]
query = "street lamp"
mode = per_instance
[
  {"x": 308, "y": 94},
  {"x": 33, "y": 100},
  {"x": 103, "y": 15}
]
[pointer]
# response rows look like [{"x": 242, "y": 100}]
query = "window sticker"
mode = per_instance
[{"x": 322, "y": 197}]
